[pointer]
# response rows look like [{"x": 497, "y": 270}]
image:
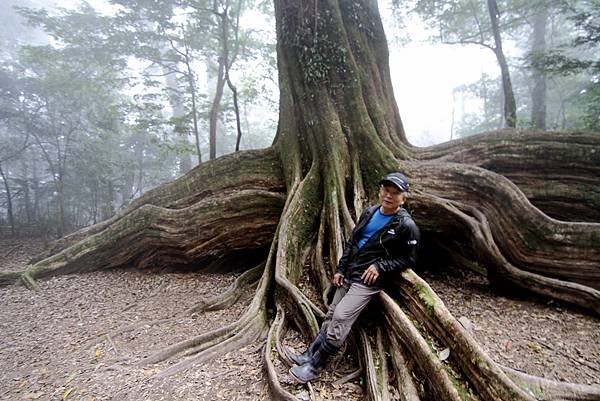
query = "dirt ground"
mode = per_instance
[{"x": 83, "y": 337}]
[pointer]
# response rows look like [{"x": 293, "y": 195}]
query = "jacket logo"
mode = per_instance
[
  {"x": 412, "y": 242},
  {"x": 392, "y": 231}
]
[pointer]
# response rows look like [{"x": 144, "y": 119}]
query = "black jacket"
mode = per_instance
[{"x": 392, "y": 248}]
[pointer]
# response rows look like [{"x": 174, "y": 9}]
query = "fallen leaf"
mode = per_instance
[
  {"x": 444, "y": 354},
  {"x": 466, "y": 323},
  {"x": 67, "y": 393},
  {"x": 534, "y": 346}
]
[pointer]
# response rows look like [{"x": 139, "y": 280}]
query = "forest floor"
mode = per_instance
[{"x": 83, "y": 336}]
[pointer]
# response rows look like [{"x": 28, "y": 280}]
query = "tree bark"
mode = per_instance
[{"x": 294, "y": 204}]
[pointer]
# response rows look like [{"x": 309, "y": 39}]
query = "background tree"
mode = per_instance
[
  {"x": 575, "y": 55},
  {"x": 293, "y": 204},
  {"x": 473, "y": 23}
]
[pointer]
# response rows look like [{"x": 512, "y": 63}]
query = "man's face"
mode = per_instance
[{"x": 391, "y": 197}]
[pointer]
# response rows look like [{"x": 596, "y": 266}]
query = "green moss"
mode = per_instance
[
  {"x": 460, "y": 385},
  {"x": 537, "y": 391},
  {"x": 427, "y": 297}
]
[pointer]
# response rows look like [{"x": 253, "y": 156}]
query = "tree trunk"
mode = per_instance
[
  {"x": 294, "y": 204},
  {"x": 60, "y": 201},
  {"x": 178, "y": 110},
  {"x": 9, "y": 206},
  {"x": 215, "y": 108},
  {"x": 192, "y": 85},
  {"x": 538, "y": 92},
  {"x": 510, "y": 105},
  {"x": 36, "y": 190}
]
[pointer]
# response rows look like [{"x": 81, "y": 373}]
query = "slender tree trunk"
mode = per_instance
[
  {"x": 538, "y": 92},
  {"x": 510, "y": 105},
  {"x": 228, "y": 64},
  {"x": 95, "y": 196},
  {"x": 26, "y": 190},
  {"x": 215, "y": 108},
  {"x": 36, "y": 191},
  {"x": 192, "y": 85},
  {"x": 178, "y": 109},
  {"x": 59, "y": 186},
  {"x": 108, "y": 209},
  {"x": 9, "y": 205},
  {"x": 139, "y": 153}
]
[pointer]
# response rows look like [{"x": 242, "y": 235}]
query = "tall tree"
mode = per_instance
[
  {"x": 510, "y": 104},
  {"x": 470, "y": 22},
  {"x": 294, "y": 203},
  {"x": 577, "y": 56},
  {"x": 538, "y": 92}
]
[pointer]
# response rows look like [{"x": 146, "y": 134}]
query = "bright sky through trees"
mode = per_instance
[{"x": 424, "y": 76}]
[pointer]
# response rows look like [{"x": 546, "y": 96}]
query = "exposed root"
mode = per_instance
[
  {"x": 252, "y": 169},
  {"x": 29, "y": 282},
  {"x": 405, "y": 384},
  {"x": 10, "y": 278},
  {"x": 550, "y": 390},
  {"x": 249, "y": 327},
  {"x": 485, "y": 375},
  {"x": 427, "y": 362},
  {"x": 375, "y": 367},
  {"x": 484, "y": 246},
  {"x": 231, "y": 295},
  {"x": 524, "y": 236},
  {"x": 277, "y": 390},
  {"x": 565, "y": 193},
  {"x": 243, "y": 336}
]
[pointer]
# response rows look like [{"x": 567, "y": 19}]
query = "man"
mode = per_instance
[{"x": 384, "y": 240}]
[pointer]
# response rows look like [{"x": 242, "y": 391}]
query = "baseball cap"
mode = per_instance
[{"x": 398, "y": 180}]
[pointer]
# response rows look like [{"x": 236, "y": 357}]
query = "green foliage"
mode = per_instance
[{"x": 91, "y": 108}]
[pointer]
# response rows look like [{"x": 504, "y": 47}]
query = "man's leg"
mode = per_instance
[
  {"x": 301, "y": 359},
  {"x": 343, "y": 316},
  {"x": 347, "y": 311}
]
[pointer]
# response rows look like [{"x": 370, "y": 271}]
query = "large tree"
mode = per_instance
[{"x": 479, "y": 201}]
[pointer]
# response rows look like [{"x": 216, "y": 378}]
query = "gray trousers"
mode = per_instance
[{"x": 348, "y": 301}]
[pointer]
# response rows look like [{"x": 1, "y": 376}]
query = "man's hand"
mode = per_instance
[
  {"x": 370, "y": 275},
  {"x": 338, "y": 279}
]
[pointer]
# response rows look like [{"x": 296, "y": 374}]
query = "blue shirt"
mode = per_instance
[{"x": 378, "y": 220}]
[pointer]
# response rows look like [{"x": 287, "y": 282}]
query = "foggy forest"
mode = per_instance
[{"x": 179, "y": 179}]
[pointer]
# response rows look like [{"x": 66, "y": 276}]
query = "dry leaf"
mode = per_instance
[
  {"x": 534, "y": 346},
  {"x": 444, "y": 354},
  {"x": 67, "y": 393}
]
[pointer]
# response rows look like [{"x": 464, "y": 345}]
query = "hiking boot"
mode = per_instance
[
  {"x": 301, "y": 359},
  {"x": 313, "y": 368}
]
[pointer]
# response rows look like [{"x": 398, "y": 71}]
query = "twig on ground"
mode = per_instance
[
  {"x": 348, "y": 377},
  {"x": 10, "y": 251}
]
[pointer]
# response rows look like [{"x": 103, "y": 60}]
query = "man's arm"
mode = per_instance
[
  {"x": 345, "y": 259},
  {"x": 407, "y": 256}
]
